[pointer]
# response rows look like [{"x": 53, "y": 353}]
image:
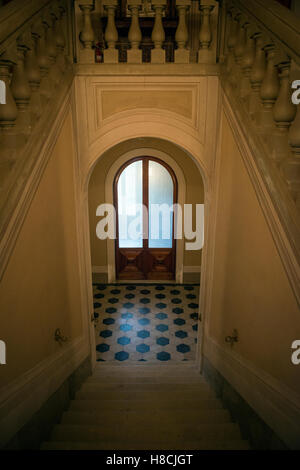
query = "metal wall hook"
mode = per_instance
[
  {"x": 58, "y": 336},
  {"x": 232, "y": 339}
]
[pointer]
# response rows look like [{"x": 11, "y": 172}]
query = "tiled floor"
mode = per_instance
[{"x": 152, "y": 323}]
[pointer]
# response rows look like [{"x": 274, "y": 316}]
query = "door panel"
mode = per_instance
[
  {"x": 161, "y": 192},
  {"x": 145, "y": 245},
  {"x": 130, "y": 199},
  {"x": 130, "y": 263},
  {"x": 160, "y": 264}
]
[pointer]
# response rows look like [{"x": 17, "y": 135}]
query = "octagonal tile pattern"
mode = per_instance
[{"x": 146, "y": 322}]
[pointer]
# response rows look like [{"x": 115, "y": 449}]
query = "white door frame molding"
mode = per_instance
[{"x": 109, "y": 199}]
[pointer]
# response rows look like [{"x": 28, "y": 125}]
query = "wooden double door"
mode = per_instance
[{"x": 145, "y": 190}]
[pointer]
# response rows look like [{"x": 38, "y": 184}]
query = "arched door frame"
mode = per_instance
[{"x": 109, "y": 199}]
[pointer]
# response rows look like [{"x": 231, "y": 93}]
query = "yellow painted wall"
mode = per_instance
[
  {"x": 194, "y": 190},
  {"x": 251, "y": 291},
  {"x": 40, "y": 290}
]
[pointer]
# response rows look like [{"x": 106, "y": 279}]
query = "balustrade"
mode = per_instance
[
  {"x": 33, "y": 60},
  {"x": 256, "y": 74},
  {"x": 132, "y": 48}
]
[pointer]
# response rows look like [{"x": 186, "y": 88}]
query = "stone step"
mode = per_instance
[
  {"x": 204, "y": 444},
  {"x": 151, "y": 417},
  {"x": 164, "y": 433},
  {"x": 146, "y": 379},
  {"x": 92, "y": 387},
  {"x": 156, "y": 371},
  {"x": 179, "y": 365},
  {"x": 140, "y": 405},
  {"x": 154, "y": 395}
]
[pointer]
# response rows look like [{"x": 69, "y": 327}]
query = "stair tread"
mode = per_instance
[
  {"x": 108, "y": 417},
  {"x": 142, "y": 394},
  {"x": 164, "y": 432},
  {"x": 144, "y": 387},
  {"x": 145, "y": 379},
  {"x": 150, "y": 404},
  {"x": 208, "y": 444}
]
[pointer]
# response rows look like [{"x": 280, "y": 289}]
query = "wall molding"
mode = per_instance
[
  {"x": 24, "y": 396},
  {"x": 275, "y": 403}
]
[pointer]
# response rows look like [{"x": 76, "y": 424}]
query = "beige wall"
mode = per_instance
[
  {"x": 251, "y": 291},
  {"x": 194, "y": 191},
  {"x": 40, "y": 288}
]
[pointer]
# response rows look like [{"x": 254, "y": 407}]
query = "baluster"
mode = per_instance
[
  {"x": 291, "y": 166},
  {"x": 134, "y": 55},
  {"x": 60, "y": 40},
  {"x": 87, "y": 35},
  {"x": 182, "y": 54},
  {"x": 54, "y": 71},
  {"x": 232, "y": 38},
  {"x": 39, "y": 31},
  {"x": 33, "y": 73},
  {"x": 193, "y": 21},
  {"x": 205, "y": 35},
  {"x": 158, "y": 55},
  {"x": 111, "y": 55},
  {"x": 8, "y": 117},
  {"x": 269, "y": 89},
  {"x": 21, "y": 90},
  {"x": 247, "y": 62},
  {"x": 284, "y": 112},
  {"x": 257, "y": 74},
  {"x": 239, "y": 49}
]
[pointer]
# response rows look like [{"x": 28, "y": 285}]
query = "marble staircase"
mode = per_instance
[{"x": 140, "y": 407}]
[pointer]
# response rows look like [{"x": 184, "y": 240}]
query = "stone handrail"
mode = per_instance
[{"x": 35, "y": 70}]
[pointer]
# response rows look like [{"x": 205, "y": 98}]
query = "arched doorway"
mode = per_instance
[
  {"x": 103, "y": 173},
  {"x": 145, "y": 190}
]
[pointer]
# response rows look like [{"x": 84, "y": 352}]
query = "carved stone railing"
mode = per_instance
[
  {"x": 260, "y": 54},
  {"x": 98, "y": 38},
  {"x": 35, "y": 71}
]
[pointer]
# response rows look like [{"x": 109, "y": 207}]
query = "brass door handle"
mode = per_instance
[
  {"x": 58, "y": 336},
  {"x": 232, "y": 339}
]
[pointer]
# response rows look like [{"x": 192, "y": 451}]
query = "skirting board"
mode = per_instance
[
  {"x": 186, "y": 269},
  {"x": 23, "y": 397},
  {"x": 99, "y": 269},
  {"x": 274, "y": 403},
  {"x": 191, "y": 269}
]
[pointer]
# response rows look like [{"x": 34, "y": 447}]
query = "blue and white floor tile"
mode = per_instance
[{"x": 146, "y": 322}]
